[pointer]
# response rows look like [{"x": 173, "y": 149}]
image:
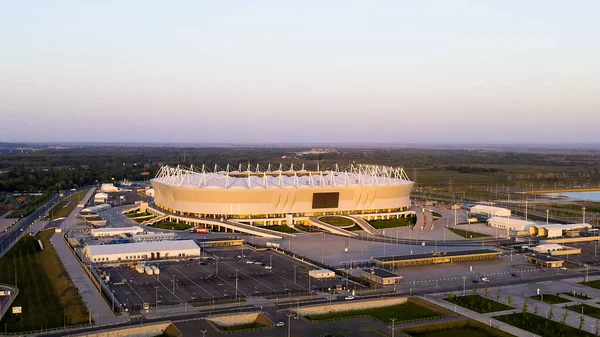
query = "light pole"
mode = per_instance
[
  {"x": 203, "y": 332},
  {"x": 526, "y": 202},
  {"x": 289, "y": 316},
  {"x": 464, "y": 285},
  {"x": 236, "y": 284},
  {"x": 583, "y": 209},
  {"x": 393, "y": 321},
  {"x": 156, "y": 298},
  {"x": 294, "y": 274},
  {"x": 547, "y": 215}
]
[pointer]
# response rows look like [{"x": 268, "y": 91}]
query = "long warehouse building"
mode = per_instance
[{"x": 141, "y": 251}]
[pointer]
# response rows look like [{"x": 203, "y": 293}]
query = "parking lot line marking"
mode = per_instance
[
  {"x": 184, "y": 275},
  {"x": 129, "y": 285}
]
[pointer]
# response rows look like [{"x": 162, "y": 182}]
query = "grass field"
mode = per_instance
[
  {"x": 65, "y": 207},
  {"x": 135, "y": 215},
  {"x": 462, "y": 329},
  {"x": 401, "y": 312},
  {"x": 580, "y": 296},
  {"x": 46, "y": 292},
  {"x": 392, "y": 223},
  {"x": 465, "y": 233},
  {"x": 588, "y": 310},
  {"x": 240, "y": 327},
  {"x": 550, "y": 299},
  {"x": 478, "y": 303},
  {"x": 541, "y": 326},
  {"x": 171, "y": 225},
  {"x": 337, "y": 221}
]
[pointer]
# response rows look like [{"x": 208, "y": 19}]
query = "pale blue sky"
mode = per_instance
[{"x": 300, "y": 71}]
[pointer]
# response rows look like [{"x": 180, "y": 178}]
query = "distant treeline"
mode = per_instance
[{"x": 472, "y": 169}]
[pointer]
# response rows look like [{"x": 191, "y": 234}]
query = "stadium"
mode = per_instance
[{"x": 257, "y": 195}]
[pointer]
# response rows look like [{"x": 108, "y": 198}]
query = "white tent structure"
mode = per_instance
[
  {"x": 490, "y": 210},
  {"x": 510, "y": 224}
]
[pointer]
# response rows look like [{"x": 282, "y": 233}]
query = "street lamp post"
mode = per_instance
[
  {"x": 393, "y": 321},
  {"x": 464, "y": 285},
  {"x": 583, "y": 209},
  {"x": 547, "y": 215}
]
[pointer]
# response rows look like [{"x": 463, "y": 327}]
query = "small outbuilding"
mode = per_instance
[
  {"x": 380, "y": 276},
  {"x": 510, "y": 224},
  {"x": 321, "y": 273}
]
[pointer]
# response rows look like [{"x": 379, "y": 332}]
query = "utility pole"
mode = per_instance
[
  {"x": 393, "y": 330},
  {"x": 236, "y": 284}
]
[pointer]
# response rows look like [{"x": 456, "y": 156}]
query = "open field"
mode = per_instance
[
  {"x": 65, "y": 207},
  {"x": 203, "y": 282},
  {"x": 550, "y": 298},
  {"x": 392, "y": 223},
  {"x": 467, "y": 328},
  {"x": 465, "y": 233},
  {"x": 401, "y": 312},
  {"x": 478, "y": 303},
  {"x": 592, "y": 284},
  {"x": 541, "y": 326},
  {"x": 580, "y": 296},
  {"x": 44, "y": 286}
]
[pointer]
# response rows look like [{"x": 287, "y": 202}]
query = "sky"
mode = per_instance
[{"x": 300, "y": 71}]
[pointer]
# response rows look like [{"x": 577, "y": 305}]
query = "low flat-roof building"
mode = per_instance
[
  {"x": 510, "y": 224},
  {"x": 116, "y": 231},
  {"x": 556, "y": 230},
  {"x": 321, "y": 273},
  {"x": 380, "y": 276},
  {"x": 100, "y": 198},
  {"x": 95, "y": 220},
  {"x": 490, "y": 210},
  {"x": 149, "y": 237},
  {"x": 436, "y": 258},
  {"x": 212, "y": 243},
  {"x": 97, "y": 208},
  {"x": 555, "y": 249},
  {"x": 544, "y": 260},
  {"x": 137, "y": 251}
]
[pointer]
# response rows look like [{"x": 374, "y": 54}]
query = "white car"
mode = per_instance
[
  {"x": 348, "y": 298},
  {"x": 563, "y": 268},
  {"x": 279, "y": 324},
  {"x": 485, "y": 279},
  {"x": 268, "y": 267}
]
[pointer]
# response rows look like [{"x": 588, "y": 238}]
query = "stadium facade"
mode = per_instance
[{"x": 259, "y": 195}]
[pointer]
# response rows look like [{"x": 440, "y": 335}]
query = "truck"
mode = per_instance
[
  {"x": 201, "y": 230},
  {"x": 140, "y": 268},
  {"x": 272, "y": 244},
  {"x": 149, "y": 270},
  {"x": 155, "y": 270}
]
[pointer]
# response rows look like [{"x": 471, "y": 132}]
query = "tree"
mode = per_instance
[
  {"x": 581, "y": 322},
  {"x": 474, "y": 291},
  {"x": 551, "y": 313},
  {"x": 525, "y": 306},
  {"x": 535, "y": 310},
  {"x": 596, "y": 330},
  {"x": 498, "y": 294},
  {"x": 509, "y": 300},
  {"x": 485, "y": 291},
  {"x": 564, "y": 317}
]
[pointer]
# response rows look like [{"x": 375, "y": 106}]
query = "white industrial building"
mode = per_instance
[
  {"x": 97, "y": 208},
  {"x": 109, "y": 188},
  {"x": 116, "y": 231},
  {"x": 557, "y": 230},
  {"x": 490, "y": 210},
  {"x": 100, "y": 198},
  {"x": 149, "y": 237},
  {"x": 137, "y": 251},
  {"x": 510, "y": 224},
  {"x": 321, "y": 273}
]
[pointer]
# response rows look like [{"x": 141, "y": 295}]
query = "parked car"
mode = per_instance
[
  {"x": 563, "y": 268},
  {"x": 349, "y": 297},
  {"x": 279, "y": 324},
  {"x": 485, "y": 279},
  {"x": 514, "y": 274}
]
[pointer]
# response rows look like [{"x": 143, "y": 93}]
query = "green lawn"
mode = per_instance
[
  {"x": 171, "y": 225},
  {"x": 392, "y": 223},
  {"x": 588, "y": 310},
  {"x": 65, "y": 207},
  {"x": 337, "y": 221},
  {"x": 402, "y": 312},
  {"x": 550, "y": 299},
  {"x": 463, "y": 329},
  {"x": 465, "y": 233},
  {"x": 45, "y": 289},
  {"x": 580, "y": 296},
  {"x": 135, "y": 215},
  {"x": 252, "y": 325},
  {"x": 541, "y": 326},
  {"x": 283, "y": 229},
  {"x": 478, "y": 303},
  {"x": 436, "y": 214},
  {"x": 592, "y": 284}
]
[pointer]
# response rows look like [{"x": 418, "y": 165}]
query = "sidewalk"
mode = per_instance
[{"x": 94, "y": 302}]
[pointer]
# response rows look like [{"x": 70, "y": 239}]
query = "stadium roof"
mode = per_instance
[
  {"x": 258, "y": 177},
  {"x": 142, "y": 247}
]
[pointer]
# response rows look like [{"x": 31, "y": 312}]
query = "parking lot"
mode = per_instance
[
  {"x": 214, "y": 279},
  {"x": 590, "y": 253}
]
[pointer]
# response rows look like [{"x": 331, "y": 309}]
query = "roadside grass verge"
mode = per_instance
[
  {"x": 580, "y": 296},
  {"x": 541, "y": 326},
  {"x": 401, "y": 312},
  {"x": 465, "y": 233},
  {"x": 171, "y": 225},
  {"x": 592, "y": 284},
  {"x": 65, "y": 207},
  {"x": 392, "y": 223},
  {"x": 477, "y": 303},
  {"x": 46, "y": 293}
]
